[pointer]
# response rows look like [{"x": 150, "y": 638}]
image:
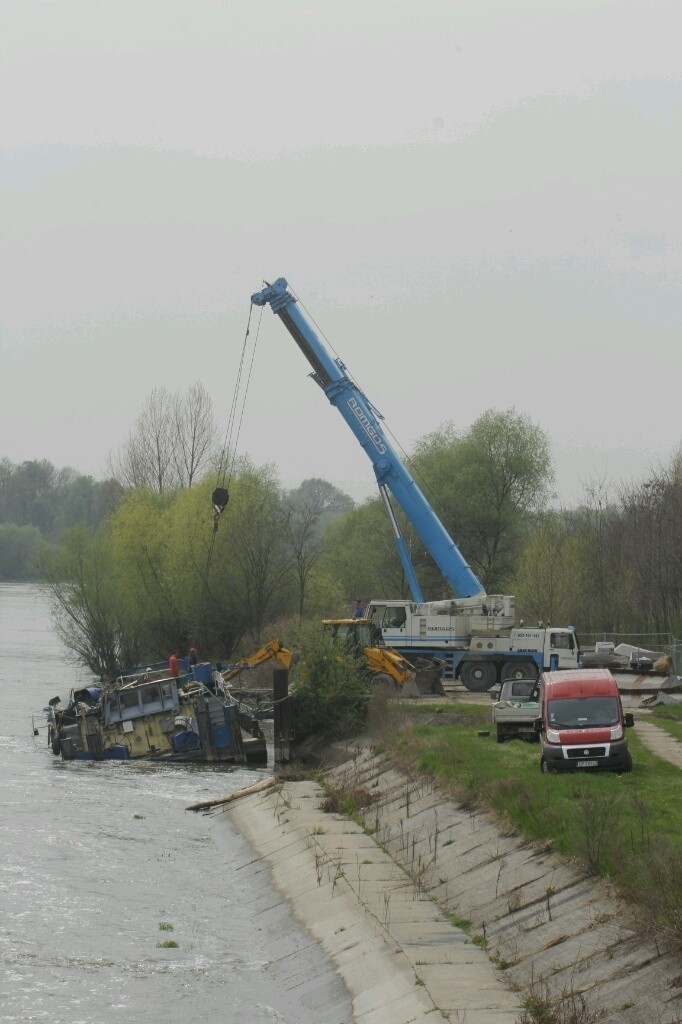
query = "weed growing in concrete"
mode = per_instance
[
  {"x": 462, "y": 923},
  {"x": 165, "y": 926},
  {"x": 567, "y": 1007},
  {"x": 348, "y": 799}
]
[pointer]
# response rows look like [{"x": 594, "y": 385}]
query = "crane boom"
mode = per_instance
[{"x": 391, "y": 474}]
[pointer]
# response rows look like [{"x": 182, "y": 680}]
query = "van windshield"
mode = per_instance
[{"x": 583, "y": 712}]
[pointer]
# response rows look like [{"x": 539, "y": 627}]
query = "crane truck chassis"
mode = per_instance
[{"x": 477, "y": 641}]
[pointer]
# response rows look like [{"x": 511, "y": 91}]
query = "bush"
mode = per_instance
[{"x": 330, "y": 694}]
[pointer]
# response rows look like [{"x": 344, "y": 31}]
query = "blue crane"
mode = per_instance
[{"x": 364, "y": 420}]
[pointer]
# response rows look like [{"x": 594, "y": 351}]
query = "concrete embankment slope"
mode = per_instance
[
  {"x": 382, "y": 906},
  {"x": 401, "y": 958},
  {"x": 543, "y": 920}
]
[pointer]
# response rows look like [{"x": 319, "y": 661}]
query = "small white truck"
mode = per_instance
[{"x": 515, "y": 710}]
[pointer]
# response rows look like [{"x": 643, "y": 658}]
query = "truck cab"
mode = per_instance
[
  {"x": 582, "y": 724},
  {"x": 558, "y": 646}
]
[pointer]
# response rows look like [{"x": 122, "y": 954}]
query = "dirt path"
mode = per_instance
[{"x": 659, "y": 741}]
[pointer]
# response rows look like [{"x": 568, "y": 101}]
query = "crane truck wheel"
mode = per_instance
[
  {"x": 519, "y": 670},
  {"x": 478, "y": 676}
]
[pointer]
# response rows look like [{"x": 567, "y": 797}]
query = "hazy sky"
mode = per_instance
[{"x": 478, "y": 201}]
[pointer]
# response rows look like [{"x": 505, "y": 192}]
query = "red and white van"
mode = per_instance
[{"x": 582, "y": 725}]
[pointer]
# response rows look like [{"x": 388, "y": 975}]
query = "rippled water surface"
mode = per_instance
[{"x": 94, "y": 856}]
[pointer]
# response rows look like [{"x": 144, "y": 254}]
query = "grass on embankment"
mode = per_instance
[
  {"x": 669, "y": 717},
  {"x": 627, "y": 828}
]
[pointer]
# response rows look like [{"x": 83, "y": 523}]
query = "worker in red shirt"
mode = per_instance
[{"x": 174, "y": 665}]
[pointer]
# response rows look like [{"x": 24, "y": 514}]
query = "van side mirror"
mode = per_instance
[
  {"x": 629, "y": 719},
  {"x": 538, "y": 725}
]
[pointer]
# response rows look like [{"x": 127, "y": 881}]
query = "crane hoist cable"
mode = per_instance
[
  {"x": 228, "y": 455},
  {"x": 226, "y": 464}
]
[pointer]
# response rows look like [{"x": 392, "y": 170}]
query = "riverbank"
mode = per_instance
[
  {"x": 429, "y": 910},
  {"x": 400, "y": 958}
]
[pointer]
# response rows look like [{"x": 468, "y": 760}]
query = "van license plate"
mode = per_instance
[{"x": 587, "y": 764}]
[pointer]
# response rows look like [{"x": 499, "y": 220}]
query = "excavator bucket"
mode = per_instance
[
  {"x": 410, "y": 688},
  {"x": 427, "y": 678}
]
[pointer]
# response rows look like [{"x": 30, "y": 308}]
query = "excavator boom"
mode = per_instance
[{"x": 272, "y": 649}]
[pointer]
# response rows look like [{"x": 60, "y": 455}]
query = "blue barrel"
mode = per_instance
[
  {"x": 185, "y": 741},
  {"x": 221, "y": 737},
  {"x": 203, "y": 672}
]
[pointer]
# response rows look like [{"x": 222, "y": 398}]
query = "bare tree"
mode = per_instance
[
  {"x": 170, "y": 442},
  {"x": 651, "y": 536},
  {"x": 195, "y": 433}
]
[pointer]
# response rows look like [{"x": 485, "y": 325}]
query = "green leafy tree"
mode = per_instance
[
  {"x": 485, "y": 485},
  {"x": 148, "y": 577},
  {"x": 254, "y": 528},
  {"x": 551, "y": 574},
  {"x": 306, "y": 511},
  {"x": 359, "y": 551}
]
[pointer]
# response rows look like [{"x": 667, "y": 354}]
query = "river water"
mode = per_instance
[{"x": 95, "y": 856}]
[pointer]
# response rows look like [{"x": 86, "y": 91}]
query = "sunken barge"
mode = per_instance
[{"x": 148, "y": 714}]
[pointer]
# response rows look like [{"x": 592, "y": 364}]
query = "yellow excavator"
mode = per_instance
[{"x": 383, "y": 666}]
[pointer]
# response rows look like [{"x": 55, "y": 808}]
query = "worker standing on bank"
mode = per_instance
[{"x": 359, "y": 612}]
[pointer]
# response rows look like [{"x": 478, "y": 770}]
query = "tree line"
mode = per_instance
[
  {"x": 39, "y": 504},
  {"x": 145, "y": 571},
  {"x": 171, "y": 442}
]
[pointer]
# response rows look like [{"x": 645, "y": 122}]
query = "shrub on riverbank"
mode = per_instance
[{"x": 330, "y": 694}]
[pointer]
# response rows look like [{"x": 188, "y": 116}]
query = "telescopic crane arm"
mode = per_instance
[{"x": 364, "y": 420}]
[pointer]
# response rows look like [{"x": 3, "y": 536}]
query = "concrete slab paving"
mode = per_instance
[
  {"x": 359, "y": 911},
  {"x": 399, "y": 955},
  {"x": 473, "y": 991}
]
